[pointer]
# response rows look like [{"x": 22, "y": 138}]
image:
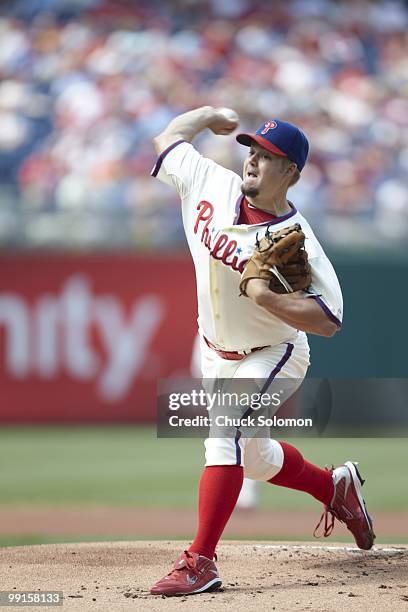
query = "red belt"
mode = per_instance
[{"x": 233, "y": 355}]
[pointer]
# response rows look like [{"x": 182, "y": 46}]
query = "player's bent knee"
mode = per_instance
[{"x": 263, "y": 459}]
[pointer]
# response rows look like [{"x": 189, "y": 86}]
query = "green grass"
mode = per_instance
[{"x": 128, "y": 466}]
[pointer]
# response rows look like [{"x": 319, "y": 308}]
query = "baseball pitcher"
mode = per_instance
[{"x": 263, "y": 284}]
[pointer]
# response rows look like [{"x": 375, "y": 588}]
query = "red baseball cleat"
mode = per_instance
[
  {"x": 348, "y": 506},
  {"x": 192, "y": 573}
]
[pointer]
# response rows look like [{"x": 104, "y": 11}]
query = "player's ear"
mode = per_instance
[
  {"x": 291, "y": 169},
  {"x": 288, "y": 168}
]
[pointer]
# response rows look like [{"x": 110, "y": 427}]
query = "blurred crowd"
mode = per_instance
[{"x": 85, "y": 84}]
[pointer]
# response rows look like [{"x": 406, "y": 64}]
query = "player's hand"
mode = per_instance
[{"x": 225, "y": 121}]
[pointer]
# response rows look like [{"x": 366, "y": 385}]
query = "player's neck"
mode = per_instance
[{"x": 277, "y": 206}]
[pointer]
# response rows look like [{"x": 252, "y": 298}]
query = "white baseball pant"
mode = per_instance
[{"x": 261, "y": 458}]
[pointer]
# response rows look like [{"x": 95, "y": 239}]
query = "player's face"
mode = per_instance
[{"x": 263, "y": 172}]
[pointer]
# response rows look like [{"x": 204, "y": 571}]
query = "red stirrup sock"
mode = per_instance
[
  {"x": 297, "y": 473},
  {"x": 218, "y": 492}
]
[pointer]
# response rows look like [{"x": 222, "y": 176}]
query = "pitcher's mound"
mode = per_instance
[{"x": 262, "y": 576}]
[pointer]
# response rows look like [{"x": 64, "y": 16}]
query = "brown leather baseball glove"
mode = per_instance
[{"x": 280, "y": 257}]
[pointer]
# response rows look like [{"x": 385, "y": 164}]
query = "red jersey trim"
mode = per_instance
[{"x": 254, "y": 216}]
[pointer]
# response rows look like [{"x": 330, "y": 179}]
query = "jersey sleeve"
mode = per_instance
[
  {"x": 183, "y": 167},
  {"x": 325, "y": 289}
]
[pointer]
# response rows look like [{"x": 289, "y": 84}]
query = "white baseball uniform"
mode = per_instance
[{"x": 211, "y": 201}]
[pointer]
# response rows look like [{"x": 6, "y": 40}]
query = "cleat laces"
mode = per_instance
[{"x": 328, "y": 516}]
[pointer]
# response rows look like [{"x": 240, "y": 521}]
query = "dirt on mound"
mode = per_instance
[{"x": 287, "y": 576}]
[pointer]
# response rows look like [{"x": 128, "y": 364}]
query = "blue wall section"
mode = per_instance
[{"x": 374, "y": 339}]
